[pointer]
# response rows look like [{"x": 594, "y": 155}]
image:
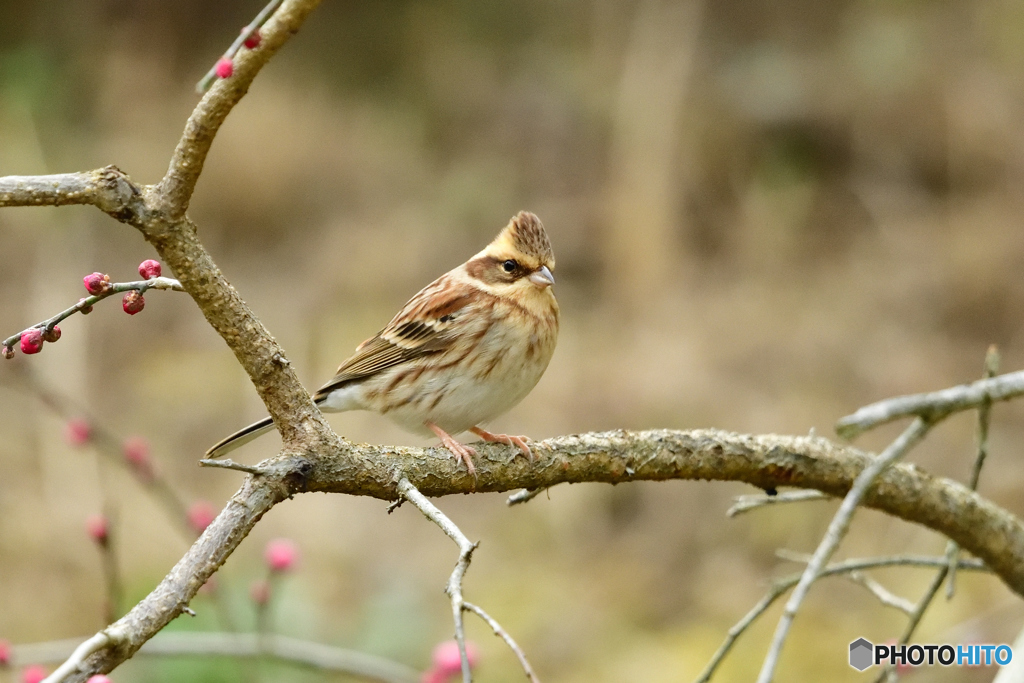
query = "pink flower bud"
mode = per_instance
[
  {"x": 8, "y": 352},
  {"x": 447, "y": 659},
  {"x": 32, "y": 341},
  {"x": 85, "y": 310},
  {"x": 281, "y": 554},
  {"x": 5, "y": 652},
  {"x": 259, "y": 591},
  {"x": 149, "y": 269},
  {"x": 133, "y": 302},
  {"x": 200, "y": 515},
  {"x": 33, "y": 674},
  {"x": 254, "y": 40},
  {"x": 98, "y": 678},
  {"x": 98, "y": 529},
  {"x": 77, "y": 432},
  {"x": 225, "y": 68},
  {"x": 96, "y": 283},
  {"x": 136, "y": 454},
  {"x": 52, "y": 334},
  {"x": 434, "y": 676}
]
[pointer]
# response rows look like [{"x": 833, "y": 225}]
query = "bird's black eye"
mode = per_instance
[{"x": 509, "y": 265}]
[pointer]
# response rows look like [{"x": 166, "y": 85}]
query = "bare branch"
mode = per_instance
[
  {"x": 933, "y": 406},
  {"x": 884, "y": 595},
  {"x": 173, "y": 193},
  {"x": 780, "y": 587},
  {"x": 110, "y": 637},
  {"x": 984, "y": 419},
  {"x": 504, "y": 635},
  {"x": 989, "y": 532},
  {"x": 748, "y": 503},
  {"x": 325, "y": 657},
  {"x": 171, "y": 597},
  {"x": 454, "y": 587},
  {"x": 836, "y": 531},
  {"x": 524, "y": 496},
  {"x": 106, "y": 188}
]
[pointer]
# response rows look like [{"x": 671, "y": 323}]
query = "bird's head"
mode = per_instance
[{"x": 519, "y": 262}]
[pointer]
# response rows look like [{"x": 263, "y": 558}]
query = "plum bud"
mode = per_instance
[
  {"x": 133, "y": 302},
  {"x": 96, "y": 283},
  {"x": 32, "y": 341},
  {"x": 51, "y": 334},
  {"x": 225, "y": 68},
  {"x": 254, "y": 40},
  {"x": 149, "y": 269}
]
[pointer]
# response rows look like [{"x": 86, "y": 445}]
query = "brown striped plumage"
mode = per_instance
[{"x": 468, "y": 347}]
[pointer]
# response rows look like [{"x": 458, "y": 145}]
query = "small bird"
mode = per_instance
[{"x": 467, "y": 348}]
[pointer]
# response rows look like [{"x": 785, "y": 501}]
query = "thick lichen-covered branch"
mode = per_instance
[{"x": 991, "y": 533}]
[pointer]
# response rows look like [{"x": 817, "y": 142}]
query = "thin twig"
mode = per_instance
[
  {"x": 884, "y": 595},
  {"x": 203, "y": 85},
  {"x": 140, "y": 286},
  {"x": 984, "y": 419},
  {"x": 110, "y": 636},
  {"x": 836, "y": 531},
  {"x": 466, "y": 548},
  {"x": 752, "y": 502},
  {"x": 524, "y": 496},
  {"x": 932, "y": 406},
  {"x": 229, "y": 464},
  {"x": 780, "y": 587},
  {"x": 504, "y": 635},
  {"x": 320, "y": 656}
]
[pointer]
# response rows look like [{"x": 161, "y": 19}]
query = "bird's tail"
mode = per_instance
[{"x": 240, "y": 438}]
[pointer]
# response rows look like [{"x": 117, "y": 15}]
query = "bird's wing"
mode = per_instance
[{"x": 427, "y": 325}]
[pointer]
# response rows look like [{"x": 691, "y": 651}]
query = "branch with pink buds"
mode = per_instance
[
  {"x": 250, "y": 38},
  {"x": 99, "y": 287}
]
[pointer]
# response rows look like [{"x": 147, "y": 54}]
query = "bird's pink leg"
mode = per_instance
[
  {"x": 461, "y": 451},
  {"x": 519, "y": 441}
]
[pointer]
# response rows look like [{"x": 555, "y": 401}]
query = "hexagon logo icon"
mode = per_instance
[{"x": 861, "y": 654}]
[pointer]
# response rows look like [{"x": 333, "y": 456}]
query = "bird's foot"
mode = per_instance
[
  {"x": 461, "y": 451},
  {"x": 518, "y": 441}
]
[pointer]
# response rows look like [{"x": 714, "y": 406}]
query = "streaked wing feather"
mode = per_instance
[{"x": 425, "y": 325}]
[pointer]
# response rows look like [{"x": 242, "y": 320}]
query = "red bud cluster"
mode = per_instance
[
  {"x": 133, "y": 302},
  {"x": 96, "y": 283},
  {"x": 149, "y": 269}
]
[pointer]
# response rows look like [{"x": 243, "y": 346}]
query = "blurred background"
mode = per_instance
[{"x": 765, "y": 215}]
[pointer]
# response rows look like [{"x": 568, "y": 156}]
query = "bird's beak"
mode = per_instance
[{"x": 542, "y": 277}]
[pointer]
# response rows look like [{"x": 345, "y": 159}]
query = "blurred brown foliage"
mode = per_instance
[{"x": 765, "y": 215}]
